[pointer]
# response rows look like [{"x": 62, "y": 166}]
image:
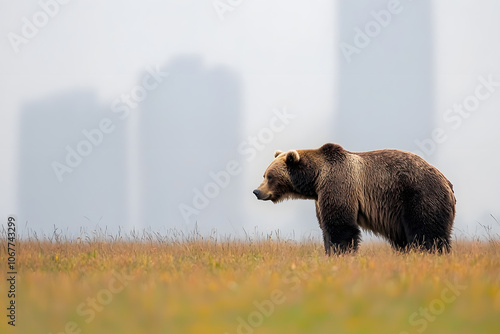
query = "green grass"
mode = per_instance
[{"x": 266, "y": 286}]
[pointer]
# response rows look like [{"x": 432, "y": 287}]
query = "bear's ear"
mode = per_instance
[
  {"x": 276, "y": 153},
  {"x": 292, "y": 157}
]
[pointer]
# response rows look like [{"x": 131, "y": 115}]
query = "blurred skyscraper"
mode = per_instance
[
  {"x": 385, "y": 74},
  {"x": 93, "y": 193},
  {"x": 190, "y": 130}
]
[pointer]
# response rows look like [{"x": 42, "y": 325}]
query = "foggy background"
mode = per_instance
[{"x": 176, "y": 108}]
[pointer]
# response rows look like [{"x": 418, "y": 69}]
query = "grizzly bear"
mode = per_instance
[{"x": 392, "y": 193}]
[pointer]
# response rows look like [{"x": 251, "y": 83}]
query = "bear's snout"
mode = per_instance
[{"x": 261, "y": 196}]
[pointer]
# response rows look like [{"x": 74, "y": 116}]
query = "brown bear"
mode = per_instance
[{"x": 394, "y": 194}]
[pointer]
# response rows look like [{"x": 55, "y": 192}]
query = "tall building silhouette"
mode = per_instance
[
  {"x": 93, "y": 193},
  {"x": 386, "y": 86},
  {"x": 189, "y": 131}
]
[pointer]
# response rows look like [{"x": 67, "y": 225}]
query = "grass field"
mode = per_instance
[{"x": 266, "y": 286}]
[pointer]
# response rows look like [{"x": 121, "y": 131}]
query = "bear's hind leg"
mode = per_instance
[
  {"x": 430, "y": 243},
  {"x": 425, "y": 232},
  {"x": 399, "y": 243}
]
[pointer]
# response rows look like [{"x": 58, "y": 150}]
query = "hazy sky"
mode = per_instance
[{"x": 271, "y": 57}]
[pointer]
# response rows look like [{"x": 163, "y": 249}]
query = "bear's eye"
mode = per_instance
[{"x": 269, "y": 178}]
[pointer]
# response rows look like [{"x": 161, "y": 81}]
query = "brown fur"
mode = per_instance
[{"x": 392, "y": 193}]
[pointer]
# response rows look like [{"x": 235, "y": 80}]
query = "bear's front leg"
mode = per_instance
[
  {"x": 340, "y": 231},
  {"x": 326, "y": 235}
]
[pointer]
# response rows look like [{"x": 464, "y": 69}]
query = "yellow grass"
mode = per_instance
[{"x": 267, "y": 286}]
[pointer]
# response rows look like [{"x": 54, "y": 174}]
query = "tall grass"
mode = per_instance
[{"x": 177, "y": 283}]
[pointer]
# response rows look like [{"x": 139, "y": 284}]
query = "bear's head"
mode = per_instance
[{"x": 287, "y": 177}]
